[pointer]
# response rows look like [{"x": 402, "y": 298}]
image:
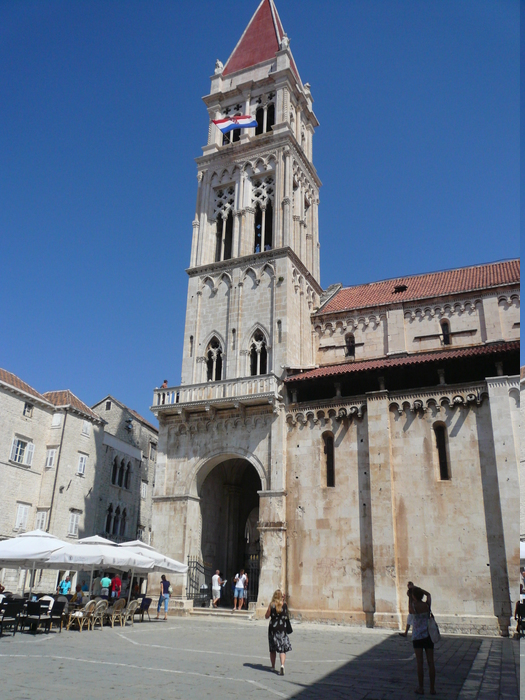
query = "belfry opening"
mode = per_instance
[{"x": 229, "y": 505}]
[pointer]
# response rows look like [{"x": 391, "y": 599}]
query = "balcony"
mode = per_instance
[{"x": 228, "y": 393}]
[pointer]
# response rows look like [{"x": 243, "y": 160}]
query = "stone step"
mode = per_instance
[{"x": 222, "y": 612}]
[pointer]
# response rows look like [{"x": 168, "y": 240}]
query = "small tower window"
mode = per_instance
[
  {"x": 440, "y": 432},
  {"x": 228, "y": 233},
  {"x": 445, "y": 328},
  {"x": 258, "y": 229},
  {"x": 218, "y": 242},
  {"x": 350, "y": 346},
  {"x": 259, "y": 115},
  {"x": 268, "y": 226},
  {"x": 191, "y": 346},
  {"x": 270, "y": 117},
  {"x": 214, "y": 361},
  {"x": 328, "y": 440},
  {"x": 258, "y": 355}
]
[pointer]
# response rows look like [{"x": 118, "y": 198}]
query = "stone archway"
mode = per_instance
[{"x": 229, "y": 506}]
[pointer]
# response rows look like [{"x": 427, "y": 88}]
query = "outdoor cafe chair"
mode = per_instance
[
  {"x": 10, "y": 616},
  {"x": 129, "y": 613},
  {"x": 36, "y": 614},
  {"x": 98, "y": 613},
  {"x": 144, "y": 608},
  {"x": 82, "y": 616},
  {"x": 115, "y": 611},
  {"x": 56, "y": 614}
]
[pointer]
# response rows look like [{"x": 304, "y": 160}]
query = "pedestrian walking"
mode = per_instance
[
  {"x": 216, "y": 583},
  {"x": 164, "y": 598},
  {"x": 278, "y": 639},
  {"x": 238, "y": 593},
  {"x": 410, "y": 586},
  {"x": 421, "y": 638},
  {"x": 64, "y": 586},
  {"x": 105, "y": 584}
]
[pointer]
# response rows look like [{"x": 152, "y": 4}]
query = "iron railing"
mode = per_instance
[{"x": 198, "y": 587}]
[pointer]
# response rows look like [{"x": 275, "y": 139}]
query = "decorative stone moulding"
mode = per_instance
[
  {"x": 509, "y": 299},
  {"x": 435, "y": 400},
  {"x": 212, "y": 424},
  {"x": 438, "y": 311},
  {"x": 214, "y": 282},
  {"x": 320, "y": 416},
  {"x": 349, "y": 324},
  {"x": 258, "y": 271}
]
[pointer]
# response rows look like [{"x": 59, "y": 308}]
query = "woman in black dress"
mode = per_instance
[{"x": 277, "y": 637}]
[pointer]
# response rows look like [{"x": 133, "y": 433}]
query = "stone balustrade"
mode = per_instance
[{"x": 262, "y": 389}]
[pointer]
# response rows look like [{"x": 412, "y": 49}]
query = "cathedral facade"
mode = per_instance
[{"x": 335, "y": 443}]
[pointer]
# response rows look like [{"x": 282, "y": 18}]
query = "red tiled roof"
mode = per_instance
[
  {"x": 67, "y": 398},
  {"x": 17, "y": 383},
  {"x": 416, "y": 359},
  {"x": 260, "y": 41},
  {"x": 432, "y": 284}
]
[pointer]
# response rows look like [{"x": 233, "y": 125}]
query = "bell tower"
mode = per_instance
[{"x": 254, "y": 268}]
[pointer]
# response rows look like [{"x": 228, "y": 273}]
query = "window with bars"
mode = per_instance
[
  {"x": 41, "y": 520},
  {"x": 82, "y": 461},
  {"x": 22, "y": 515},
  {"x": 50, "y": 457},
  {"x": 22, "y": 451},
  {"x": 74, "y": 520}
]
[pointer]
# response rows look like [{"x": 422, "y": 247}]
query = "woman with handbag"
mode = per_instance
[
  {"x": 278, "y": 629},
  {"x": 421, "y": 637},
  {"x": 164, "y": 598}
]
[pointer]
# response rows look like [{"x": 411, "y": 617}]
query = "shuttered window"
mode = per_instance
[
  {"x": 22, "y": 514},
  {"x": 41, "y": 519},
  {"x": 74, "y": 518},
  {"x": 22, "y": 451}
]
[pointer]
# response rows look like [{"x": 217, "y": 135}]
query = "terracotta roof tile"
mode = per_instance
[
  {"x": 17, "y": 383},
  {"x": 67, "y": 398},
  {"x": 260, "y": 40},
  {"x": 424, "y": 286},
  {"x": 416, "y": 359}
]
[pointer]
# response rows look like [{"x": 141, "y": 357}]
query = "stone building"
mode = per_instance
[
  {"x": 57, "y": 462},
  {"x": 336, "y": 442}
]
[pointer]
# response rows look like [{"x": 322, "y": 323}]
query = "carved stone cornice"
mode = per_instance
[
  {"x": 320, "y": 412},
  {"x": 434, "y": 399}
]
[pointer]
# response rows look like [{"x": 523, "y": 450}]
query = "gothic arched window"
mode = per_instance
[
  {"x": 116, "y": 522},
  {"x": 328, "y": 440},
  {"x": 270, "y": 117},
  {"x": 114, "y": 472},
  {"x": 123, "y": 524},
  {"x": 228, "y": 235},
  {"x": 127, "y": 479},
  {"x": 121, "y": 473},
  {"x": 350, "y": 345},
  {"x": 214, "y": 361},
  {"x": 232, "y": 136},
  {"x": 258, "y": 355},
  {"x": 259, "y": 115},
  {"x": 445, "y": 329},
  {"x": 109, "y": 519},
  {"x": 262, "y": 201}
]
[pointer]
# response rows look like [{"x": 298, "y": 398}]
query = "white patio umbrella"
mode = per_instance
[
  {"x": 163, "y": 564},
  {"x": 30, "y": 550}
]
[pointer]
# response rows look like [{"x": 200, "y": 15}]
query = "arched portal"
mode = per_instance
[{"x": 229, "y": 504}]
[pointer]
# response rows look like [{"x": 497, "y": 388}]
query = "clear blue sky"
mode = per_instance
[{"x": 101, "y": 118}]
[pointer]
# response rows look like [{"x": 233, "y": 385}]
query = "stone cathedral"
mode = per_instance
[{"x": 336, "y": 442}]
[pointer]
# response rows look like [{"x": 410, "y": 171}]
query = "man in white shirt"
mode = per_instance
[
  {"x": 216, "y": 583},
  {"x": 241, "y": 581}
]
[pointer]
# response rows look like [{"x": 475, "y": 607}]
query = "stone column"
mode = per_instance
[
  {"x": 508, "y": 488},
  {"x": 383, "y": 520}
]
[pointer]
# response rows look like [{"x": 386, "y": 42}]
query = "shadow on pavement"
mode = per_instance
[
  {"x": 388, "y": 670},
  {"x": 262, "y": 667}
]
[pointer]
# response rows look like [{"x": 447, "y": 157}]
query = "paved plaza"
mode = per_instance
[{"x": 194, "y": 659}]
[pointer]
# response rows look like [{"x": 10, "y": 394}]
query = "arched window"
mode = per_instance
[
  {"x": 218, "y": 242},
  {"x": 440, "y": 432},
  {"x": 127, "y": 480},
  {"x": 116, "y": 522},
  {"x": 214, "y": 361},
  {"x": 123, "y": 524},
  {"x": 270, "y": 117},
  {"x": 263, "y": 227},
  {"x": 328, "y": 440},
  {"x": 259, "y": 115},
  {"x": 223, "y": 244},
  {"x": 109, "y": 519},
  {"x": 114, "y": 471},
  {"x": 232, "y": 136},
  {"x": 258, "y": 355},
  {"x": 121, "y": 473},
  {"x": 445, "y": 329},
  {"x": 350, "y": 345}
]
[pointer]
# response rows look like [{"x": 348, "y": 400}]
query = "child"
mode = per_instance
[{"x": 410, "y": 586}]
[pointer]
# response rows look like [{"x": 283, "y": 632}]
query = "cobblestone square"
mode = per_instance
[{"x": 189, "y": 659}]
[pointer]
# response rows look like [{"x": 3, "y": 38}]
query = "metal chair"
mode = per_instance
[
  {"x": 144, "y": 608},
  {"x": 36, "y": 614},
  {"x": 10, "y": 616},
  {"x": 56, "y": 614}
]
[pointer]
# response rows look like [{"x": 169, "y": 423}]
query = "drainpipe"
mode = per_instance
[{"x": 56, "y": 472}]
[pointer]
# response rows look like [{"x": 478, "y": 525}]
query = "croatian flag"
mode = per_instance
[{"x": 239, "y": 122}]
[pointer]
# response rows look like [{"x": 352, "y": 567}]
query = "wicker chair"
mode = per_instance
[
  {"x": 129, "y": 613},
  {"x": 81, "y": 617},
  {"x": 115, "y": 611},
  {"x": 99, "y": 613}
]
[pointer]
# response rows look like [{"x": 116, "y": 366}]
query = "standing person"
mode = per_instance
[
  {"x": 410, "y": 586},
  {"x": 216, "y": 583},
  {"x": 64, "y": 586},
  {"x": 97, "y": 588},
  {"x": 421, "y": 638},
  {"x": 278, "y": 640},
  {"x": 164, "y": 596},
  {"x": 105, "y": 585},
  {"x": 238, "y": 594},
  {"x": 116, "y": 586}
]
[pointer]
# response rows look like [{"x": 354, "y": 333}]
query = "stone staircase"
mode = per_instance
[{"x": 223, "y": 613}]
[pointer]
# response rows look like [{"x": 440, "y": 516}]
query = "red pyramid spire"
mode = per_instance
[{"x": 260, "y": 41}]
